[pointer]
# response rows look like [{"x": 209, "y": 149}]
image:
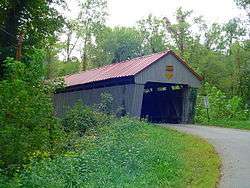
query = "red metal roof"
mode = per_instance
[{"x": 118, "y": 70}]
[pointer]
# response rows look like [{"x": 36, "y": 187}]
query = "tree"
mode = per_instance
[
  {"x": 68, "y": 46},
  {"x": 221, "y": 37},
  {"x": 187, "y": 35},
  {"x": 180, "y": 31},
  {"x": 115, "y": 45},
  {"x": 233, "y": 32},
  {"x": 245, "y": 4},
  {"x": 214, "y": 67},
  {"x": 240, "y": 69},
  {"x": 90, "y": 20},
  {"x": 69, "y": 27},
  {"x": 153, "y": 31},
  {"x": 37, "y": 21},
  {"x": 28, "y": 125},
  {"x": 213, "y": 37},
  {"x": 126, "y": 42},
  {"x": 242, "y": 3}
]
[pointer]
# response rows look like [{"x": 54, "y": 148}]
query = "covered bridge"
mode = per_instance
[{"x": 160, "y": 87}]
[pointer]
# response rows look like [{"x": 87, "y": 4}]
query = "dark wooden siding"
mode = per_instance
[{"x": 128, "y": 95}]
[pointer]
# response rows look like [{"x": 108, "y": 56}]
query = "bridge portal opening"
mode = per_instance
[{"x": 162, "y": 103}]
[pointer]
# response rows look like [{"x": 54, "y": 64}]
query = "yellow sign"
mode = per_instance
[{"x": 169, "y": 72}]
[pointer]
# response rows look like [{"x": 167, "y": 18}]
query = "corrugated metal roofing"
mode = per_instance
[{"x": 118, "y": 70}]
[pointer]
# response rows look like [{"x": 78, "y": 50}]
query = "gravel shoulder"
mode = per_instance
[{"x": 234, "y": 148}]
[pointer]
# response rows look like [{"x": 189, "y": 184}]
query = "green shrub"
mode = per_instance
[
  {"x": 27, "y": 123},
  {"x": 80, "y": 118},
  {"x": 221, "y": 107},
  {"x": 105, "y": 105}
]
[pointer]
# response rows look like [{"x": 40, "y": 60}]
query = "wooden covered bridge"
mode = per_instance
[{"x": 160, "y": 87}]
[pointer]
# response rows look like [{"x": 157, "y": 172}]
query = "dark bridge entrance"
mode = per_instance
[{"x": 162, "y": 103}]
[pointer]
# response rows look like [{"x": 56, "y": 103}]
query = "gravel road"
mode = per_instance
[{"x": 234, "y": 148}]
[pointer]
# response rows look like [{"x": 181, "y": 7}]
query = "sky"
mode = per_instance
[{"x": 127, "y": 12}]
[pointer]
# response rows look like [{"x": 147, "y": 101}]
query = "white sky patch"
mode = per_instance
[{"x": 128, "y": 12}]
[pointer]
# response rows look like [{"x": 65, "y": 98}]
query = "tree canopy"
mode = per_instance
[{"x": 36, "y": 22}]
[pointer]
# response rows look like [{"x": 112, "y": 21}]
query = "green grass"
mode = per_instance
[
  {"x": 230, "y": 124},
  {"x": 129, "y": 153}
]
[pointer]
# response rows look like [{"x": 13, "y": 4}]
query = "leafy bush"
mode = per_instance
[
  {"x": 221, "y": 107},
  {"x": 80, "y": 118},
  {"x": 26, "y": 117},
  {"x": 105, "y": 105}
]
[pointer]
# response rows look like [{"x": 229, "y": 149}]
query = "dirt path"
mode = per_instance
[{"x": 234, "y": 148}]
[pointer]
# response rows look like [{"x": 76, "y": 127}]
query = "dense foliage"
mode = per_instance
[
  {"x": 221, "y": 107},
  {"x": 114, "y": 45},
  {"x": 105, "y": 105},
  {"x": 243, "y": 3},
  {"x": 34, "y": 21},
  {"x": 27, "y": 121},
  {"x": 80, "y": 118}
]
